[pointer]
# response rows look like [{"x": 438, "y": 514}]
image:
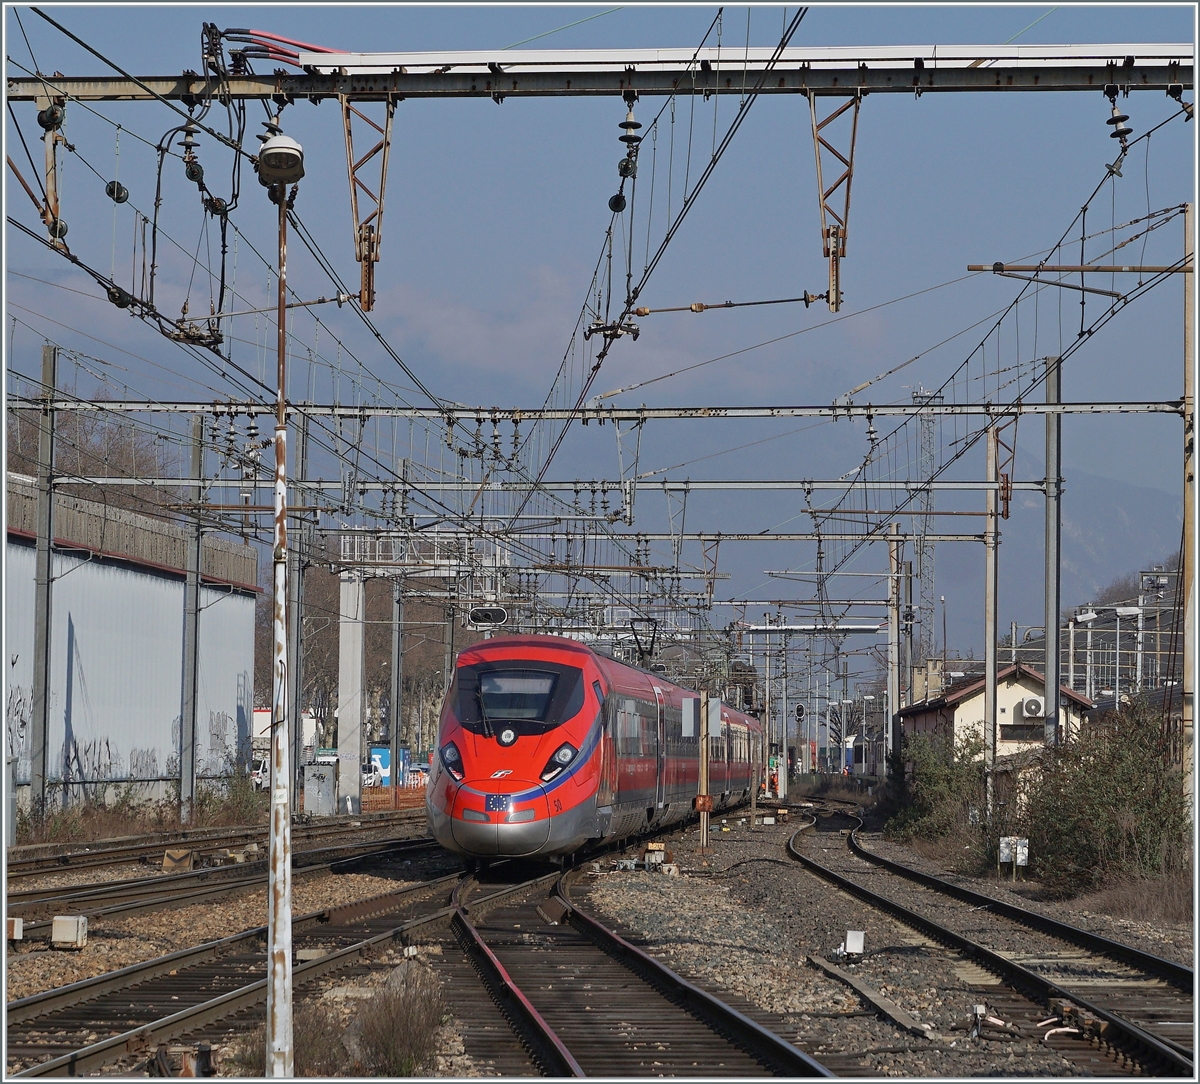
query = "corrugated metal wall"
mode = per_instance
[{"x": 116, "y": 671}]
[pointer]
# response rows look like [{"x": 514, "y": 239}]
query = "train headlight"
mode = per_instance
[
  {"x": 563, "y": 756},
  {"x": 452, "y": 759}
]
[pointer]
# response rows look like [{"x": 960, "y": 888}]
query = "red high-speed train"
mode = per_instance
[{"x": 546, "y": 745}]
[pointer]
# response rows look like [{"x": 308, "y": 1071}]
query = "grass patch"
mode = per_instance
[
  {"x": 220, "y": 803},
  {"x": 1159, "y": 899}
]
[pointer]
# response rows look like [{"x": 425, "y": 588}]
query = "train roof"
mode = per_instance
[{"x": 565, "y": 643}]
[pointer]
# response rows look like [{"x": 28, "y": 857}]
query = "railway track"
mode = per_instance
[
  {"x": 121, "y": 1015},
  {"x": 1134, "y": 1009},
  {"x": 586, "y": 1002},
  {"x": 38, "y": 859},
  {"x": 98, "y": 899}
]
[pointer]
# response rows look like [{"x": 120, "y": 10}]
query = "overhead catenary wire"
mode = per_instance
[{"x": 689, "y": 202}]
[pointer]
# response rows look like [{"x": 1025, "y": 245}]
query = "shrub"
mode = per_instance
[
  {"x": 318, "y": 1048},
  {"x": 399, "y": 1028},
  {"x": 942, "y": 788},
  {"x": 395, "y": 1033},
  {"x": 1105, "y": 809}
]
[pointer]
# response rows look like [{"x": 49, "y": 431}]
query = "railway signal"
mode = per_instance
[{"x": 487, "y": 616}]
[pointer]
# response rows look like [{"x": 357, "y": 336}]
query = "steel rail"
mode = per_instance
[
  {"x": 784, "y": 1058},
  {"x": 184, "y": 895},
  {"x": 132, "y": 848},
  {"x": 53, "y": 895},
  {"x": 49, "y": 1001},
  {"x": 1177, "y": 974},
  {"x": 96, "y": 1055},
  {"x": 1175, "y": 1059},
  {"x": 539, "y": 1038}
]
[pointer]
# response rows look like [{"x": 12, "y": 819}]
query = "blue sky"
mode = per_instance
[{"x": 496, "y": 214}]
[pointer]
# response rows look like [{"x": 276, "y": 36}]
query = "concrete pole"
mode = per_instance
[
  {"x": 397, "y": 680},
  {"x": 1089, "y": 688},
  {"x": 296, "y": 616},
  {"x": 990, "y": 586},
  {"x": 191, "y": 635},
  {"x": 1189, "y": 501},
  {"x": 768, "y": 704},
  {"x": 893, "y": 657},
  {"x": 1116, "y": 654},
  {"x": 704, "y": 739},
  {"x": 279, "y": 895},
  {"x": 1071, "y": 655},
  {"x": 1139, "y": 643},
  {"x": 906, "y": 670},
  {"x": 351, "y": 683},
  {"x": 783, "y": 721},
  {"x": 1053, "y": 553},
  {"x": 448, "y": 641},
  {"x": 44, "y": 579}
]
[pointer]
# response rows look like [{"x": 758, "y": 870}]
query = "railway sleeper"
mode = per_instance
[{"x": 1148, "y": 1052}]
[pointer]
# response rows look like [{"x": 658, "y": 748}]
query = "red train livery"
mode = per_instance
[{"x": 545, "y": 745}]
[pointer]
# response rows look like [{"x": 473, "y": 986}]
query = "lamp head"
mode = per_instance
[{"x": 280, "y": 160}]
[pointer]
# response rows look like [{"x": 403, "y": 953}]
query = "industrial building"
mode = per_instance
[{"x": 116, "y": 649}]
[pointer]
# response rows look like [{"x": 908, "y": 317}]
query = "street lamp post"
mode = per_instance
[{"x": 280, "y": 163}]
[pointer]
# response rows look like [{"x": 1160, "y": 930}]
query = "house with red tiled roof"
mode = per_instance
[{"x": 957, "y": 713}]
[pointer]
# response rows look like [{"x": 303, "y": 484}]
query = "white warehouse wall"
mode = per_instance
[{"x": 117, "y": 668}]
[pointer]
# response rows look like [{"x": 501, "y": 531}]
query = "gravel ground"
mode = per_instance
[
  {"x": 89, "y": 875},
  {"x": 117, "y": 942},
  {"x": 1171, "y": 941},
  {"x": 745, "y": 918},
  {"x": 344, "y": 997}
]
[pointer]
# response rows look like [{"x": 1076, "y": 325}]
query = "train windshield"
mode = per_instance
[
  {"x": 532, "y": 697},
  {"x": 517, "y": 694}
]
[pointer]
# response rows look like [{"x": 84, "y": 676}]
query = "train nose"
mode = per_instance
[{"x": 488, "y": 821}]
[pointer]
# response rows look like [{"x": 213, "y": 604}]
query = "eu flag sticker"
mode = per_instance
[{"x": 496, "y": 803}]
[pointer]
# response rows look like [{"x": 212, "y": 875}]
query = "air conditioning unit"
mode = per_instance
[{"x": 1033, "y": 707}]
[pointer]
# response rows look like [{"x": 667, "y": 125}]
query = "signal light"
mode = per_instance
[{"x": 488, "y": 615}]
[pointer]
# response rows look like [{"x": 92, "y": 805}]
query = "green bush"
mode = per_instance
[
  {"x": 942, "y": 789},
  {"x": 1104, "y": 807}
]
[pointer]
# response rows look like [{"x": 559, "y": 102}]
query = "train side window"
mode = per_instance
[
  {"x": 628, "y": 739},
  {"x": 599, "y": 693}
]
